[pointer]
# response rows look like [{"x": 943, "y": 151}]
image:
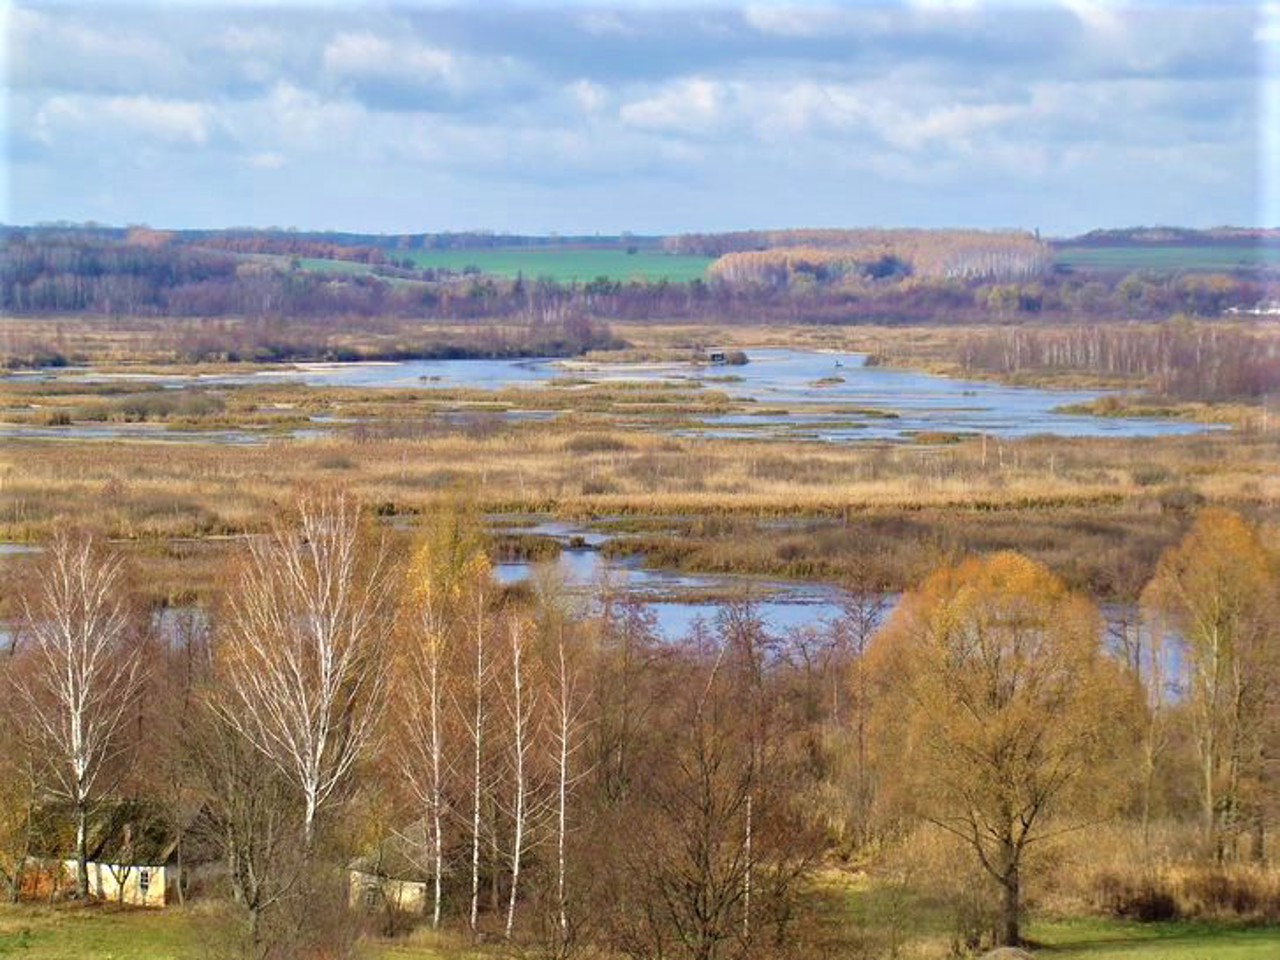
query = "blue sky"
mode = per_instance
[{"x": 583, "y": 117}]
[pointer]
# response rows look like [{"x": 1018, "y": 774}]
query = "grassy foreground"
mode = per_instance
[
  {"x": 1113, "y": 940},
  {"x": 111, "y": 933}
]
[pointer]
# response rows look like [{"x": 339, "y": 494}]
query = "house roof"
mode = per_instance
[
  {"x": 122, "y": 831},
  {"x": 400, "y": 856}
]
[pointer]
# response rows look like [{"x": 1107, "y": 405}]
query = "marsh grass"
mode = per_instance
[{"x": 1096, "y": 510}]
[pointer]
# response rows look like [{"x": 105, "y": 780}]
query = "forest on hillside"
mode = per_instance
[{"x": 798, "y": 276}]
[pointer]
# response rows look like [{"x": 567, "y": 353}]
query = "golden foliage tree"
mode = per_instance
[
  {"x": 1217, "y": 592},
  {"x": 446, "y": 590},
  {"x": 1001, "y": 701}
]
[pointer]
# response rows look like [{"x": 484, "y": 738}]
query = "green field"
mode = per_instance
[
  {"x": 344, "y": 267},
  {"x": 569, "y": 264},
  {"x": 1168, "y": 258},
  {"x": 562, "y": 264}
]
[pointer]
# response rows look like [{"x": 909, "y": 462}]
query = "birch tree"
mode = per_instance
[
  {"x": 569, "y": 720},
  {"x": 521, "y": 706},
  {"x": 476, "y": 724},
  {"x": 449, "y": 567},
  {"x": 80, "y": 671},
  {"x": 302, "y": 657}
]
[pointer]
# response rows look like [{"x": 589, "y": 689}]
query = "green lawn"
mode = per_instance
[
  {"x": 1096, "y": 939},
  {"x": 97, "y": 933},
  {"x": 109, "y": 933},
  {"x": 1171, "y": 258}
]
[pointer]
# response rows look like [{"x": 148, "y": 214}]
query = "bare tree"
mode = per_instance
[
  {"x": 569, "y": 709},
  {"x": 302, "y": 655},
  {"x": 480, "y": 677},
  {"x": 81, "y": 671},
  {"x": 20, "y": 787},
  {"x": 255, "y": 819},
  {"x": 520, "y": 707}
]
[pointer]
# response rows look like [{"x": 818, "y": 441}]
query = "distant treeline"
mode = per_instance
[
  {"x": 914, "y": 280},
  {"x": 939, "y": 255},
  {"x": 286, "y": 241},
  {"x": 1175, "y": 237},
  {"x": 1179, "y": 359},
  {"x": 967, "y": 254}
]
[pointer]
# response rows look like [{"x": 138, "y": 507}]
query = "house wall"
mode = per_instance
[
  {"x": 105, "y": 883},
  {"x": 407, "y": 895}
]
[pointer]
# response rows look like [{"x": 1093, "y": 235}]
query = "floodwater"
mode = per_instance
[
  {"x": 678, "y": 601},
  {"x": 156, "y": 432},
  {"x": 802, "y": 394},
  {"x": 582, "y": 572}
]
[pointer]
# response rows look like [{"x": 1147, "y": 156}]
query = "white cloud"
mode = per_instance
[
  {"x": 69, "y": 117},
  {"x": 172, "y": 120},
  {"x": 604, "y": 23},
  {"x": 692, "y": 106},
  {"x": 366, "y": 54},
  {"x": 1098, "y": 16},
  {"x": 242, "y": 40},
  {"x": 52, "y": 51},
  {"x": 266, "y": 161},
  {"x": 824, "y": 21},
  {"x": 412, "y": 66},
  {"x": 1268, "y": 30},
  {"x": 301, "y": 119},
  {"x": 590, "y": 97},
  {"x": 370, "y": 103}
]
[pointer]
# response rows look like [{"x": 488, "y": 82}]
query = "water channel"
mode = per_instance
[{"x": 790, "y": 394}]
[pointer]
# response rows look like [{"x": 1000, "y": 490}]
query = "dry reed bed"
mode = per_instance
[{"x": 141, "y": 489}]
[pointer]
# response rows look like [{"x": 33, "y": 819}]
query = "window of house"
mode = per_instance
[{"x": 144, "y": 881}]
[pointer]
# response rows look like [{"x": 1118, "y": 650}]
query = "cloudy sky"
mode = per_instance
[{"x": 582, "y": 117}]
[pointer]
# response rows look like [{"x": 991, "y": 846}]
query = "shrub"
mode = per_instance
[
  {"x": 1146, "y": 899},
  {"x": 1180, "y": 499},
  {"x": 595, "y": 443},
  {"x": 1189, "y": 893},
  {"x": 1150, "y": 475},
  {"x": 1244, "y": 893},
  {"x": 56, "y": 418}
]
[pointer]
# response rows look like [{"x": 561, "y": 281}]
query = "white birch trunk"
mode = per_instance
[
  {"x": 477, "y": 735},
  {"x": 520, "y": 746}
]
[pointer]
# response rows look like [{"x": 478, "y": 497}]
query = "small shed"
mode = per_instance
[
  {"x": 132, "y": 854},
  {"x": 373, "y": 890},
  {"x": 391, "y": 876}
]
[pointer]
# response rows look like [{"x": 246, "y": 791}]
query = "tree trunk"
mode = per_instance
[
  {"x": 437, "y": 798},
  {"x": 1011, "y": 909},
  {"x": 82, "y": 850},
  {"x": 520, "y": 746},
  {"x": 477, "y": 733},
  {"x": 178, "y": 874}
]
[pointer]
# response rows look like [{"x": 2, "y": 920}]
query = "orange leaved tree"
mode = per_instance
[
  {"x": 1001, "y": 702},
  {"x": 1216, "y": 591}
]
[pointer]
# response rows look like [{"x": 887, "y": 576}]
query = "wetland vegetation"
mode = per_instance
[{"x": 709, "y": 602}]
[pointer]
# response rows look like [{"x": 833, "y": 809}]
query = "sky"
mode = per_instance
[{"x": 650, "y": 117}]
